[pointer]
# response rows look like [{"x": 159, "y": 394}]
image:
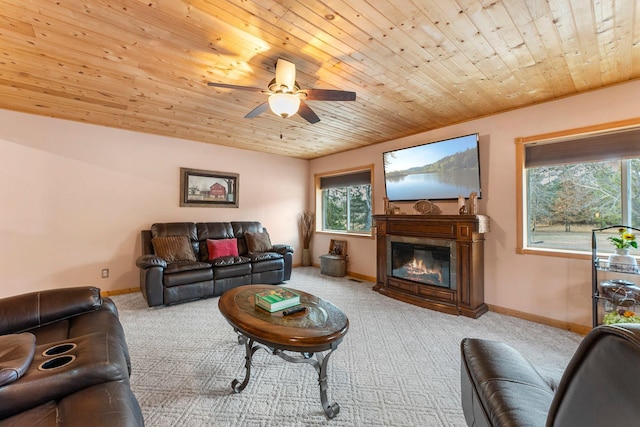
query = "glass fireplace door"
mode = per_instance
[{"x": 421, "y": 263}]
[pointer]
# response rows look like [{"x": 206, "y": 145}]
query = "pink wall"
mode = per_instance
[
  {"x": 75, "y": 197},
  {"x": 551, "y": 287}
]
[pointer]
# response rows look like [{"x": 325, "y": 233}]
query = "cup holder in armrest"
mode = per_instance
[
  {"x": 56, "y": 362},
  {"x": 59, "y": 349}
]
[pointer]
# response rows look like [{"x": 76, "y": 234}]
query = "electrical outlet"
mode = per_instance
[{"x": 105, "y": 273}]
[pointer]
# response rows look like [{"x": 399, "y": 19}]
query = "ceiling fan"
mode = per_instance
[{"x": 285, "y": 96}]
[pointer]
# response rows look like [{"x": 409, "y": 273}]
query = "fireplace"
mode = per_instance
[
  {"x": 421, "y": 261},
  {"x": 433, "y": 261}
]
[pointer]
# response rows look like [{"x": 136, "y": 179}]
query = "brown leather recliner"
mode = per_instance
[
  {"x": 599, "y": 387},
  {"x": 67, "y": 360}
]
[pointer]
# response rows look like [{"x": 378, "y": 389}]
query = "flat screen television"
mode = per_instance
[{"x": 440, "y": 170}]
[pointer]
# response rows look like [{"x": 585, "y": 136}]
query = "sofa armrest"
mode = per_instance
[
  {"x": 109, "y": 305},
  {"x": 287, "y": 252},
  {"x": 282, "y": 249},
  {"x": 500, "y": 387},
  {"x": 26, "y": 311},
  {"x": 148, "y": 261}
]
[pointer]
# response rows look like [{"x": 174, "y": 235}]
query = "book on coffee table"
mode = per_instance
[{"x": 277, "y": 299}]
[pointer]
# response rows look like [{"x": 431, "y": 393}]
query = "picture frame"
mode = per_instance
[
  {"x": 203, "y": 188},
  {"x": 338, "y": 247}
]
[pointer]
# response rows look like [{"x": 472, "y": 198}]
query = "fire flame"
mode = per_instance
[{"x": 417, "y": 268}]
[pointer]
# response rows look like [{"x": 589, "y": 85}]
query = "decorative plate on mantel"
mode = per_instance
[{"x": 424, "y": 207}]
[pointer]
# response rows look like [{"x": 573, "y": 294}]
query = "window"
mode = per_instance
[
  {"x": 345, "y": 202},
  {"x": 576, "y": 183}
]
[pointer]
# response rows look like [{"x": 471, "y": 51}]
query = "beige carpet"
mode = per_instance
[{"x": 399, "y": 365}]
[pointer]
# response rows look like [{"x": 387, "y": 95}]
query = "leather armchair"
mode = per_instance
[{"x": 598, "y": 388}]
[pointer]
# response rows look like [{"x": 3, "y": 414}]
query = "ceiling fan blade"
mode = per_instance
[
  {"x": 285, "y": 74},
  {"x": 228, "y": 86},
  {"x": 328, "y": 95},
  {"x": 307, "y": 113},
  {"x": 257, "y": 111}
]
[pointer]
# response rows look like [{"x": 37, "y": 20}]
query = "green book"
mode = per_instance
[{"x": 277, "y": 299}]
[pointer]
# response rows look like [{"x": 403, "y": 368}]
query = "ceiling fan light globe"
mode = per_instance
[{"x": 283, "y": 104}]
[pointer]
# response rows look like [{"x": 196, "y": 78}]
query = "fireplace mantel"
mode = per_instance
[{"x": 467, "y": 234}]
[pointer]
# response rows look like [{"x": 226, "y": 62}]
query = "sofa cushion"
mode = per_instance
[
  {"x": 213, "y": 231},
  {"x": 258, "y": 257},
  {"x": 222, "y": 247},
  {"x": 233, "y": 270},
  {"x": 239, "y": 230},
  {"x": 182, "y": 266},
  {"x": 182, "y": 273},
  {"x": 173, "y": 248},
  {"x": 226, "y": 261},
  {"x": 268, "y": 263},
  {"x": 257, "y": 242},
  {"x": 16, "y": 354}
]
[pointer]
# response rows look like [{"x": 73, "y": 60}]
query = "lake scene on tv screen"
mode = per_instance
[{"x": 439, "y": 170}]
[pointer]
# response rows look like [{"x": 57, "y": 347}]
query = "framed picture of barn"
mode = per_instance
[{"x": 201, "y": 188}]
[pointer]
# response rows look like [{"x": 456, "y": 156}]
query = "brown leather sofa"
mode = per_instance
[
  {"x": 598, "y": 388},
  {"x": 197, "y": 272},
  {"x": 64, "y": 361}
]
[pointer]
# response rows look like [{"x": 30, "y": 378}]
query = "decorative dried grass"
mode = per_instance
[{"x": 307, "y": 224}]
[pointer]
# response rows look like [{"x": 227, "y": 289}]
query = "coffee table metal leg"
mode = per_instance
[
  {"x": 320, "y": 364},
  {"x": 330, "y": 409},
  {"x": 236, "y": 385}
]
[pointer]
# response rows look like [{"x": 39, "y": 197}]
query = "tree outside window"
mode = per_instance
[
  {"x": 346, "y": 202},
  {"x": 566, "y": 202},
  {"x": 576, "y": 186}
]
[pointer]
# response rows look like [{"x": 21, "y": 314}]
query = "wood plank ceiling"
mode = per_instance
[{"x": 416, "y": 65}]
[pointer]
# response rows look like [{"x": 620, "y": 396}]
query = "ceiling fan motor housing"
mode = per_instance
[
  {"x": 273, "y": 87},
  {"x": 285, "y": 96}
]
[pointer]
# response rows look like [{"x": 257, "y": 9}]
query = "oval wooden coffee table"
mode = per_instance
[{"x": 308, "y": 334}]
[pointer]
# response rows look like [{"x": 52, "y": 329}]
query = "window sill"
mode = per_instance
[
  {"x": 554, "y": 253},
  {"x": 345, "y": 233}
]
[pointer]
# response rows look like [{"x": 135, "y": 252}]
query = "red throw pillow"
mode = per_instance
[{"x": 222, "y": 247}]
